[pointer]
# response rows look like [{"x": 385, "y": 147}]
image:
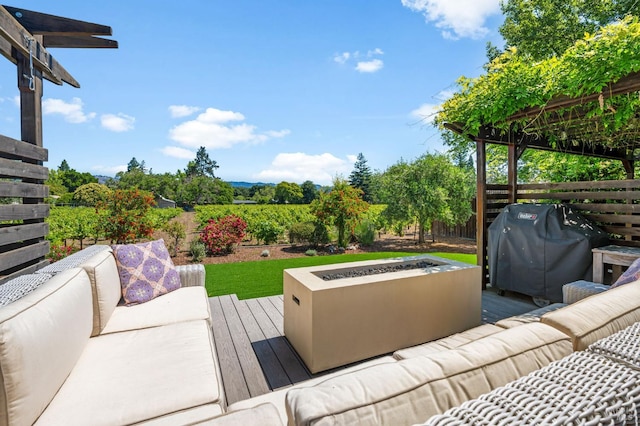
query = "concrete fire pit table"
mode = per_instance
[{"x": 337, "y": 322}]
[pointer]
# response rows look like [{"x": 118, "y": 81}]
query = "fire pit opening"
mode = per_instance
[{"x": 362, "y": 271}]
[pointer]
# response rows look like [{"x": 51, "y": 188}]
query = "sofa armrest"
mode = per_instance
[
  {"x": 579, "y": 290},
  {"x": 263, "y": 414},
  {"x": 191, "y": 275}
]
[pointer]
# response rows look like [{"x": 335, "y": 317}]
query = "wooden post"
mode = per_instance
[
  {"x": 512, "y": 173},
  {"x": 481, "y": 208}
]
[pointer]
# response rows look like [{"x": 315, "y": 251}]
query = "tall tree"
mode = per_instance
[
  {"x": 360, "y": 177},
  {"x": 309, "y": 191},
  {"x": 202, "y": 165},
  {"x": 342, "y": 207},
  {"x": 133, "y": 165},
  {"x": 428, "y": 189},
  {"x": 288, "y": 193},
  {"x": 64, "y": 166},
  {"x": 544, "y": 28}
]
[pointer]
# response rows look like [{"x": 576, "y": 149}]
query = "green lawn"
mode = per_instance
[{"x": 264, "y": 277}]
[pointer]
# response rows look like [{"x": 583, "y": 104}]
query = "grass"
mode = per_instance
[{"x": 264, "y": 277}]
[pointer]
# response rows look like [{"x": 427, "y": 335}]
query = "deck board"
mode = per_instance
[{"x": 274, "y": 363}]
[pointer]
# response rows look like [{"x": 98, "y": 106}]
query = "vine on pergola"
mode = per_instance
[{"x": 516, "y": 93}]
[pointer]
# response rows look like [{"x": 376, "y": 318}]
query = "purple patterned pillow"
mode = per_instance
[
  {"x": 146, "y": 271},
  {"x": 630, "y": 275}
]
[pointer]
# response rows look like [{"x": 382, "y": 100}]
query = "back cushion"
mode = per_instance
[
  {"x": 41, "y": 337},
  {"x": 105, "y": 286},
  {"x": 412, "y": 390},
  {"x": 597, "y": 316}
]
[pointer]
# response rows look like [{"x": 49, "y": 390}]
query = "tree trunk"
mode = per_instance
[{"x": 420, "y": 233}]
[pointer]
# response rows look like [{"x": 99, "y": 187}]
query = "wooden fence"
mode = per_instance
[
  {"x": 612, "y": 205},
  {"x": 22, "y": 211}
]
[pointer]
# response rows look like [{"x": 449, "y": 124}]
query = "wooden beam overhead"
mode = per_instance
[
  {"x": 44, "y": 24},
  {"x": 78, "y": 42},
  {"x": 18, "y": 37}
]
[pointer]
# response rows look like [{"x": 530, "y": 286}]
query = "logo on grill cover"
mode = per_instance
[{"x": 527, "y": 216}]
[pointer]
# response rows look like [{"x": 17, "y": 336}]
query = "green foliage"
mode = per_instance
[
  {"x": 311, "y": 252},
  {"x": 428, "y": 189},
  {"x": 202, "y": 165},
  {"x": 177, "y": 233},
  {"x": 201, "y": 190},
  {"x": 514, "y": 82},
  {"x": 91, "y": 194},
  {"x": 221, "y": 236},
  {"x": 309, "y": 191},
  {"x": 360, "y": 178},
  {"x": 283, "y": 215},
  {"x": 197, "y": 250},
  {"x": 544, "y": 28},
  {"x": 288, "y": 193},
  {"x": 365, "y": 233},
  {"x": 125, "y": 218},
  {"x": 301, "y": 232},
  {"x": 73, "y": 223},
  {"x": 342, "y": 207},
  {"x": 267, "y": 231}
]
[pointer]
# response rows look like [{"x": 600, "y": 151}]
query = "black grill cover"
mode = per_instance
[{"x": 535, "y": 249}]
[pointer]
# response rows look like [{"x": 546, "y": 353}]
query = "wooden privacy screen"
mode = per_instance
[
  {"x": 22, "y": 212},
  {"x": 612, "y": 205}
]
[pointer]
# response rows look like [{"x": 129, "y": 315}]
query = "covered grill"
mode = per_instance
[{"x": 535, "y": 249}]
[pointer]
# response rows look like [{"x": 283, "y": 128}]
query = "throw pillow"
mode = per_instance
[
  {"x": 630, "y": 275},
  {"x": 146, "y": 271}
]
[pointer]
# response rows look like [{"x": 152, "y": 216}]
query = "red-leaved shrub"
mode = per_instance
[{"x": 221, "y": 236}]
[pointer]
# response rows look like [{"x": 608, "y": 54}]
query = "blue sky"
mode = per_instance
[{"x": 274, "y": 89}]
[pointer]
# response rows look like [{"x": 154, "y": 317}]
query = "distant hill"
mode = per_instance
[
  {"x": 102, "y": 179},
  {"x": 248, "y": 184}
]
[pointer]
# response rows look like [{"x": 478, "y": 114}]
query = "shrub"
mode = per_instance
[
  {"x": 311, "y": 252},
  {"x": 197, "y": 250},
  {"x": 320, "y": 234},
  {"x": 221, "y": 236},
  {"x": 58, "y": 252},
  {"x": 91, "y": 194},
  {"x": 301, "y": 232},
  {"x": 125, "y": 218},
  {"x": 267, "y": 231},
  {"x": 365, "y": 233},
  {"x": 177, "y": 233}
]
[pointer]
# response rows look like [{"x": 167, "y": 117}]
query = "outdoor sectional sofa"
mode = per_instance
[{"x": 69, "y": 354}]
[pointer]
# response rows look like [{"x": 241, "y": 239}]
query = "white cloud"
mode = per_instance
[
  {"x": 117, "y": 122},
  {"x": 352, "y": 158},
  {"x": 299, "y": 167},
  {"x": 178, "y": 111},
  {"x": 177, "y": 152},
  {"x": 425, "y": 112},
  {"x": 16, "y": 100},
  {"x": 211, "y": 130},
  {"x": 341, "y": 58},
  {"x": 459, "y": 18},
  {"x": 370, "y": 66},
  {"x": 111, "y": 170},
  {"x": 71, "y": 111}
]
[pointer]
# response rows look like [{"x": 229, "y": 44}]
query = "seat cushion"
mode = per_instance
[
  {"x": 597, "y": 316},
  {"x": 42, "y": 336},
  {"x": 129, "y": 377},
  {"x": 263, "y": 414},
  {"x": 184, "y": 304},
  {"x": 412, "y": 390},
  {"x": 105, "y": 285},
  {"x": 450, "y": 342}
]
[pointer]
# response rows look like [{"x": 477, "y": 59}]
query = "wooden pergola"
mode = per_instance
[
  {"x": 563, "y": 125},
  {"x": 25, "y": 37}
]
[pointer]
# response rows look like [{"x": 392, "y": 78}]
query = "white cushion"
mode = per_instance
[
  {"x": 129, "y": 377},
  {"x": 42, "y": 337},
  {"x": 263, "y": 415},
  {"x": 453, "y": 341},
  {"x": 184, "y": 304},
  {"x": 105, "y": 284}
]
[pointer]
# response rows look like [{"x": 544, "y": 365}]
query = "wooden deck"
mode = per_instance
[{"x": 256, "y": 358}]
